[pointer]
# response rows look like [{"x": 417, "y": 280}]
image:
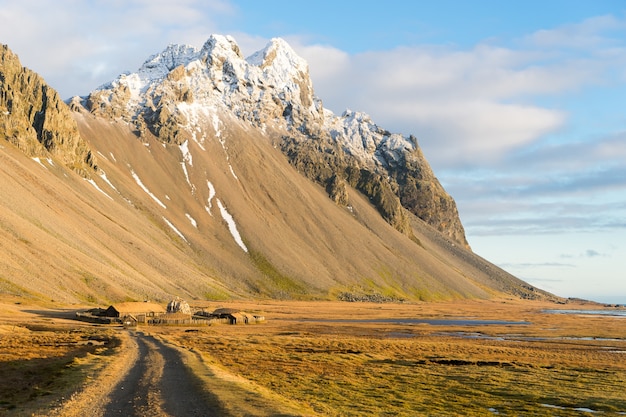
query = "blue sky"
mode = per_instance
[{"x": 518, "y": 106}]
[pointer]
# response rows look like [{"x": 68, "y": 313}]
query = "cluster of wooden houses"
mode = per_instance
[{"x": 177, "y": 312}]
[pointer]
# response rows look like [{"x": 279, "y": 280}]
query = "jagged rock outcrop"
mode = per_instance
[
  {"x": 36, "y": 120},
  {"x": 178, "y": 306},
  {"x": 175, "y": 90}
]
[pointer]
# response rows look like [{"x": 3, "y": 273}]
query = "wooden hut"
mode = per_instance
[
  {"x": 235, "y": 316},
  {"x": 140, "y": 310}
]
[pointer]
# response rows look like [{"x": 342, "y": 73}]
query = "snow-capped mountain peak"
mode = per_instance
[
  {"x": 221, "y": 46},
  {"x": 159, "y": 65},
  {"x": 184, "y": 93},
  {"x": 171, "y": 57},
  {"x": 279, "y": 60},
  {"x": 273, "y": 85}
]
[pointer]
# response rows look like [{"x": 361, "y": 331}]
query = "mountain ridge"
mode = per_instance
[
  {"x": 272, "y": 90},
  {"x": 36, "y": 120},
  {"x": 199, "y": 196}
]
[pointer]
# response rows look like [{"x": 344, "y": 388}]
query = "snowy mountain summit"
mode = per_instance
[
  {"x": 181, "y": 83},
  {"x": 271, "y": 87},
  {"x": 185, "y": 93}
]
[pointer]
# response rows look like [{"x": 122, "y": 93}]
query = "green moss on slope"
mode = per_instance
[{"x": 278, "y": 284}]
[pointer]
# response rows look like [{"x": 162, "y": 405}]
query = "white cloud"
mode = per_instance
[
  {"x": 588, "y": 34},
  {"x": 466, "y": 131},
  {"x": 613, "y": 147},
  {"x": 471, "y": 106},
  {"x": 326, "y": 62},
  {"x": 553, "y": 189},
  {"x": 79, "y": 45}
]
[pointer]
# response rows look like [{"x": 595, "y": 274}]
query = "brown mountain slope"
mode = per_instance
[
  {"x": 65, "y": 239},
  {"x": 220, "y": 215}
]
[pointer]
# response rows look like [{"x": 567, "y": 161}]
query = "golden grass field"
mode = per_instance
[
  {"x": 556, "y": 364},
  {"x": 44, "y": 360}
]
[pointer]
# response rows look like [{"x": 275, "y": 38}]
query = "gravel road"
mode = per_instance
[
  {"x": 151, "y": 378},
  {"x": 158, "y": 384}
]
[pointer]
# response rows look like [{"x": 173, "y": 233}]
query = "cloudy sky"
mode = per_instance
[{"x": 519, "y": 109}]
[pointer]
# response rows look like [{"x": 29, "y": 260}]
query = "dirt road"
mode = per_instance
[
  {"x": 150, "y": 377},
  {"x": 159, "y": 384}
]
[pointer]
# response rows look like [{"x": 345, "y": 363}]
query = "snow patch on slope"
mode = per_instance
[
  {"x": 232, "y": 226},
  {"x": 187, "y": 159},
  {"x": 225, "y": 148},
  {"x": 178, "y": 232},
  {"x": 184, "y": 149},
  {"x": 211, "y": 196},
  {"x": 38, "y": 160},
  {"x": 216, "y": 125},
  {"x": 232, "y": 171},
  {"x": 92, "y": 182},
  {"x": 184, "y": 166},
  {"x": 193, "y": 221},
  {"x": 192, "y": 112},
  {"x": 104, "y": 177},
  {"x": 143, "y": 187}
]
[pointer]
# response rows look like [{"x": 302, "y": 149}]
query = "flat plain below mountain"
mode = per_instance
[{"x": 320, "y": 358}]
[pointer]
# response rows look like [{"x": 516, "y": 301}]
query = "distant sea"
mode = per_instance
[
  {"x": 609, "y": 312},
  {"x": 619, "y": 300}
]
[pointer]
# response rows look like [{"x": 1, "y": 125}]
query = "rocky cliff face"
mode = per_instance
[
  {"x": 33, "y": 118},
  {"x": 176, "y": 92},
  {"x": 389, "y": 169}
]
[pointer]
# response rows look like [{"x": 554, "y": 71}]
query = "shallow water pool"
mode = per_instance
[{"x": 433, "y": 322}]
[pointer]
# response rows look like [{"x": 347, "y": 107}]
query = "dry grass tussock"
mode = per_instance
[{"x": 44, "y": 364}]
